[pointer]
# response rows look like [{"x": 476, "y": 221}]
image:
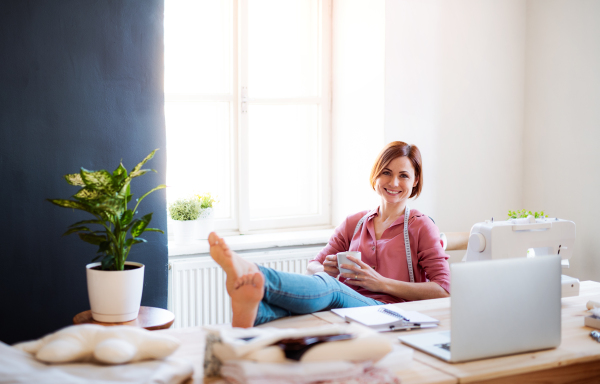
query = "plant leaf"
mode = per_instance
[
  {"x": 76, "y": 229},
  {"x": 71, "y": 204},
  {"x": 92, "y": 239},
  {"x": 86, "y": 222},
  {"x": 120, "y": 173},
  {"x": 74, "y": 179},
  {"x": 125, "y": 190},
  {"x": 139, "y": 225},
  {"x": 114, "y": 206},
  {"x": 88, "y": 194},
  {"x": 139, "y": 173},
  {"x": 135, "y": 240},
  {"x": 141, "y": 164},
  {"x": 103, "y": 247},
  {"x": 108, "y": 262},
  {"x": 99, "y": 180},
  {"x": 154, "y": 230},
  {"x": 126, "y": 219}
]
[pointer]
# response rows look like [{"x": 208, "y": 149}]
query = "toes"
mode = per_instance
[
  {"x": 213, "y": 239},
  {"x": 242, "y": 280},
  {"x": 258, "y": 280},
  {"x": 254, "y": 279}
]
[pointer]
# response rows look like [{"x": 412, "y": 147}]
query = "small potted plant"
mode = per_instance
[
  {"x": 192, "y": 217},
  {"x": 524, "y": 214},
  {"x": 184, "y": 213},
  {"x": 114, "y": 284},
  {"x": 206, "y": 218}
]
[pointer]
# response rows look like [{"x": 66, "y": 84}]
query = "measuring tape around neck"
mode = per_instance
[{"x": 406, "y": 240}]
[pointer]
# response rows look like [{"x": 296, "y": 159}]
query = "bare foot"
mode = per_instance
[
  {"x": 249, "y": 290},
  {"x": 244, "y": 301}
]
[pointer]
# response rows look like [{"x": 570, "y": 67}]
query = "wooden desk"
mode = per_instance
[
  {"x": 149, "y": 318},
  {"x": 577, "y": 359}
]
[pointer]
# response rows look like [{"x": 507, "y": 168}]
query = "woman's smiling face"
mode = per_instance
[{"x": 396, "y": 181}]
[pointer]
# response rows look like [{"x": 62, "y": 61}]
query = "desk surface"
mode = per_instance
[
  {"x": 577, "y": 357},
  {"x": 576, "y": 347}
]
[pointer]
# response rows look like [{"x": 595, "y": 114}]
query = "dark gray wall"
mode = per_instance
[{"x": 80, "y": 86}]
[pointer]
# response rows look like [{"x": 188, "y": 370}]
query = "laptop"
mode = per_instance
[{"x": 498, "y": 307}]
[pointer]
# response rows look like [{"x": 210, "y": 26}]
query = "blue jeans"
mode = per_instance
[{"x": 288, "y": 294}]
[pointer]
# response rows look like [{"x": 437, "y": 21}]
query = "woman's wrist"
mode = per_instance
[{"x": 388, "y": 285}]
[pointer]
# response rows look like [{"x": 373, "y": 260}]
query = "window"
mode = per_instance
[{"x": 247, "y": 106}]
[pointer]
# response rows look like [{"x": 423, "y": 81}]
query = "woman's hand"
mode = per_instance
[
  {"x": 364, "y": 276},
  {"x": 330, "y": 266}
]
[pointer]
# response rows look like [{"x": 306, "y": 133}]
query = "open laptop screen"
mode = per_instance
[{"x": 505, "y": 306}]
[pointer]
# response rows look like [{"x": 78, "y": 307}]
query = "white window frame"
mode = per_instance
[
  {"x": 239, "y": 221},
  {"x": 247, "y": 225}
]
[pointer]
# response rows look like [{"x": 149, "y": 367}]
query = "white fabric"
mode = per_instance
[
  {"x": 18, "y": 366},
  {"x": 96, "y": 343},
  {"x": 236, "y": 347},
  {"x": 368, "y": 345}
]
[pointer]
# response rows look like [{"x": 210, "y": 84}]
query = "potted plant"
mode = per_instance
[
  {"x": 206, "y": 218},
  {"x": 184, "y": 213},
  {"x": 192, "y": 217},
  {"x": 114, "y": 284}
]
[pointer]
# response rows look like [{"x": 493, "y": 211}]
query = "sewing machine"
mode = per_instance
[{"x": 525, "y": 237}]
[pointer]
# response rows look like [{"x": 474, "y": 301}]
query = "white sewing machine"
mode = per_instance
[{"x": 527, "y": 237}]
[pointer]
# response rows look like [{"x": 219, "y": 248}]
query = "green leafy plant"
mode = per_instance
[
  {"x": 206, "y": 200},
  {"x": 185, "y": 209},
  {"x": 106, "y": 196},
  {"x": 524, "y": 213}
]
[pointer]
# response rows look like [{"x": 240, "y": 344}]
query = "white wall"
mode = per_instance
[
  {"x": 454, "y": 85},
  {"x": 502, "y": 97},
  {"x": 562, "y": 129},
  {"x": 357, "y": 104}
]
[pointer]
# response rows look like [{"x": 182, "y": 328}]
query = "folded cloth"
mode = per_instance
[
  {"x": 226, "y": 343},
  {"x": 18, "y": 366},
  {"x": 241, "y": 341},
  {"x": 336, "y": 372},
  {"x": 256, "y": 344}
]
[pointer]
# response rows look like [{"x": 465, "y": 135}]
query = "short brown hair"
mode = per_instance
[{"x": 398, "y": 149}]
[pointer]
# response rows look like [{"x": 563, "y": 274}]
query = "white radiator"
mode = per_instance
[{"x": 197, "y": 294}]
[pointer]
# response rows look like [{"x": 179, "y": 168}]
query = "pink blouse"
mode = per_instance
[{"x": 388, "y": 255}]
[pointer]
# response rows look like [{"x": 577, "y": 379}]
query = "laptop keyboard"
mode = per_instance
[{"x": 445, "y": 346}]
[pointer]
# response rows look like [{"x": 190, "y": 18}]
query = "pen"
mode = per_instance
[{"x": 393, "y": 313}]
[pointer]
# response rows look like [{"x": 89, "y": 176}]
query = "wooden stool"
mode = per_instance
[{"x": 149, "y": 318}]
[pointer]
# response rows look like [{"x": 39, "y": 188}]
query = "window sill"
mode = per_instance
[{"x": 240, "y": 243}]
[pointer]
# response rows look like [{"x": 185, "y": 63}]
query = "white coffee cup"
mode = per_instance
[{"x": 343, "y": 259}]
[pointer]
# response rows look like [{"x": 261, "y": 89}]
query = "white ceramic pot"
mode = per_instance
[
  {"x": 115, "y": 296},
  {"x": 185, "y": 232},
  {"x": 206, "y": 223}
]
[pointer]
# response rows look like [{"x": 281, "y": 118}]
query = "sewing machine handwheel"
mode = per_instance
[{"x": 477, "y": 242}]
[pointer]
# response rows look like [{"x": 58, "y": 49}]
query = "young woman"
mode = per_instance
[{"x": 390, "y": 270}]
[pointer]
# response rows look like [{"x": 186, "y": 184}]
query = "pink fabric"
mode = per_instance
[{"x": 388, "y": 255}]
